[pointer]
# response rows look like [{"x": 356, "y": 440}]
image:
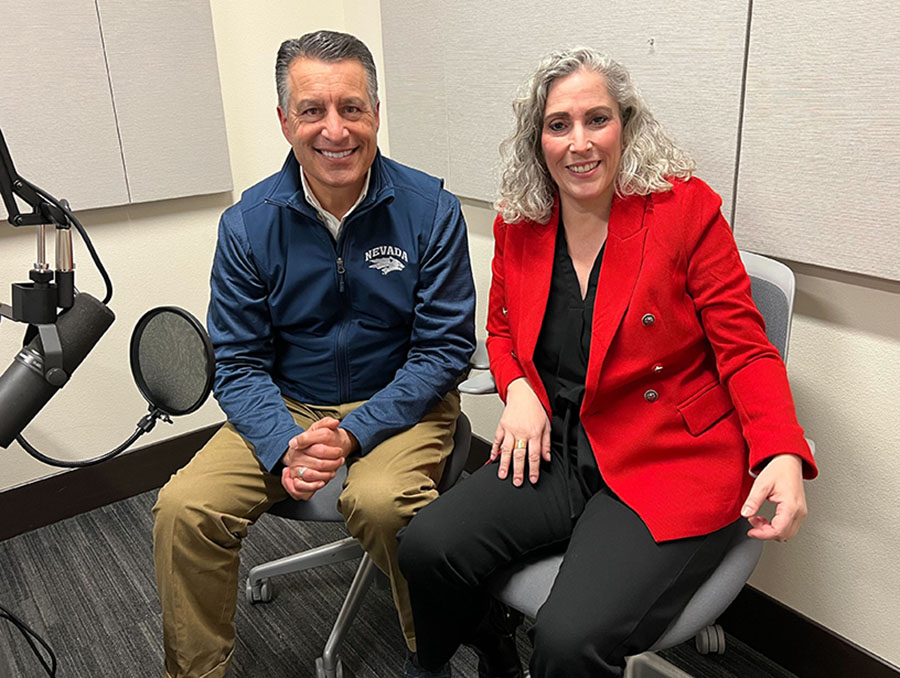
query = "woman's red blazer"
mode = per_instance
[{"x": 685, "y": 395}]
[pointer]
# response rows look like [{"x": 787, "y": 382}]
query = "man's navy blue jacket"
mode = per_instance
[{"x": 385, "y": 314}]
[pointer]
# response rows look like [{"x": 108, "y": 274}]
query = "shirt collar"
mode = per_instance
[{"x": 329, "y": 218}]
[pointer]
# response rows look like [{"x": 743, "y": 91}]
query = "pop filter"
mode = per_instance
[
  {"x": 173, "y": 365},
  {"x": 172, "y": 360}
]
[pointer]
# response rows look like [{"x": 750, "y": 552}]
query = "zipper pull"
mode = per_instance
[{"x": 341, "y": 270}]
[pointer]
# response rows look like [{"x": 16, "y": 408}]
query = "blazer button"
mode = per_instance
[
  {"x": 651, "y": 396},
  {"x": 504, "y": 311},
  {"x": 648, "y": 319},
  {"x": 657, "y": 368}
]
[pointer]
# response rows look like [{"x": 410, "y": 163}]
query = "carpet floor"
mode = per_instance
[{"x": 86, "y": 586}]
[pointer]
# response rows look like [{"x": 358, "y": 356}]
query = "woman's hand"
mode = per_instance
[
  {"x": 522, "y": 434},
  {"x": 781, "y": 482}
]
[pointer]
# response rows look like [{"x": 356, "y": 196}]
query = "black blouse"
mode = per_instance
[{"x": 561, "y": 359}]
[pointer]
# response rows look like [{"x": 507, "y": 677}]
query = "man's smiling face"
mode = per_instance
[{"x": 331, "y": 125}]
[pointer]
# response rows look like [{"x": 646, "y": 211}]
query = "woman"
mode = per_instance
[{"x": 641, "y": 392}]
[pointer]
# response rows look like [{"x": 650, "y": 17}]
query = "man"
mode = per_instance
[{"x": 342, "y": 314}]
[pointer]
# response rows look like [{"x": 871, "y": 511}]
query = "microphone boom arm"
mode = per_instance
[{"x": 43, "y": 211}]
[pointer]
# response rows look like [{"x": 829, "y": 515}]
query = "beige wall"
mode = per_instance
[
  {"x": 844, "y": 362},
  {"x": 844, "y": 365}
]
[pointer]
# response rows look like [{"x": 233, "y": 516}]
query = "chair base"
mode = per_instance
[
  {"x": 710, "y": 640},
  {"x": 651, "y": 665},
  {"x": 648, "y": 665},
  {"x": 322, "y": 508},
  {"x": 336, "y": 672},
  {"x": 260, "y": 589},
  {"x": 329, "y": 664}
]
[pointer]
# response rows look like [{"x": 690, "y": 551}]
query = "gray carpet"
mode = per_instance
[{"x": 86, "y": 586}]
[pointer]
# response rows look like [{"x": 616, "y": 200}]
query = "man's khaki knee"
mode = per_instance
[
  {"x": 385, "y": 488},
  {"x": 376, "y": 508},
  {"x": 184, "y": 516}
]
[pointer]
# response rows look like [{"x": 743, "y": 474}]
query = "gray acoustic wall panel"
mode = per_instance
[
  {"x": 415, "y": 83},
  {"x": 686, "y": 59},
  {"x": 165, "y": 82},
  {"x": 818, "y": 179},
  {"x": 55, "y": 107}
]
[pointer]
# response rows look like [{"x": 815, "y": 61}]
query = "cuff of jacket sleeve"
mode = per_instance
[
  {"x": 364, "y": 437},
  {"x": 810, "y": 470},
  {"x": 270, "y": 450},
  {"x": 762, "y": 396},
  {"x": 506, "y": 373}
]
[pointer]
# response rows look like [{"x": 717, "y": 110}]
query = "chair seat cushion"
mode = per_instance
[
  {"x": 321, "y": 508},
  {"x": 526, "y": 585}
]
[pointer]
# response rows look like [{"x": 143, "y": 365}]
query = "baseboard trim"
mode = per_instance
[
  {"x": 796, "y": 642},
  {"x": 69, "y": 494}
]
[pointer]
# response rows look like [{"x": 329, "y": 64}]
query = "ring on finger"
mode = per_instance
[
  {"x": 521, "y": 444},
  {"x": 300, "y": 472}
]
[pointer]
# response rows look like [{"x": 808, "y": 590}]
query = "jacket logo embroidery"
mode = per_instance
[{"x": 386, "y": 258}]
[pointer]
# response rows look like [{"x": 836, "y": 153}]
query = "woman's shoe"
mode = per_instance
[
  {"x": 411, "y": 668},
  {"x": 494, "y": 642}
]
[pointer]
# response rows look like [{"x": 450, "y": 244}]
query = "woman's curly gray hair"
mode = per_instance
[{"x": 649, "y": 157}]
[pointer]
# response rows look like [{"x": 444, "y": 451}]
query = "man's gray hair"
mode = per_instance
[
  {"x": 328, "y": 46},
  {"x": 650, "y": 159}
]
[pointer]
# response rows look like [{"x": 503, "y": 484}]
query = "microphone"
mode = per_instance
[{"x": 23, "y": 389}]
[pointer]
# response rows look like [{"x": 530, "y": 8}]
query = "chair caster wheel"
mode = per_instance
[
  {"x": 720, "y": 632},
  {"x": 710, "y": 640},
  {"x": 261, "y": 592},
  {"x": 338, "y": 671}
]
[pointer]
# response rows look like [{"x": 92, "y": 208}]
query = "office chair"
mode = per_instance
[
  {"x": 323, "y": 508},
  {"x": 526, "y": 585}
]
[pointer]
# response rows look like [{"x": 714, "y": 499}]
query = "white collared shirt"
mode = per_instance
[{"x": 331, "y": 221}]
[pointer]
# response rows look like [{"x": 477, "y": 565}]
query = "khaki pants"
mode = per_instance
[{"x": 203, "y": 512}]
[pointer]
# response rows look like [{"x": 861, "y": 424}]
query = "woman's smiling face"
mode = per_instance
[{"x": 582, "y": 140}]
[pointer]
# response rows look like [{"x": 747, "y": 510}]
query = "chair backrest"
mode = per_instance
[
  {"x": 456, "y": 463},
  {"x": 773, "y": 287}
]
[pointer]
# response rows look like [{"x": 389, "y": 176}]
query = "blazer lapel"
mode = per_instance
[
  {"x": 618, "y": 277},
  {"x": 535, "y": 270}
]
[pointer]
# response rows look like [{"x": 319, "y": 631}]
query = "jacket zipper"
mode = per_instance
[
  {"x": 340, "y": 342},
  {"x": 341, "y": 270},
  {"x": 343, "y": 364},
  {"x": 340, "y": 348}
]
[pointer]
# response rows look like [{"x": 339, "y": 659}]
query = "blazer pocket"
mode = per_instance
[{"x": 704, "y": 409}]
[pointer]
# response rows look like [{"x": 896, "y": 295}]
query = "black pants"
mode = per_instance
[{"x": 617, "y": 590}]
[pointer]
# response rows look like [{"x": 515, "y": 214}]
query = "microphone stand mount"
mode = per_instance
[{"x": 35, "y": 302}]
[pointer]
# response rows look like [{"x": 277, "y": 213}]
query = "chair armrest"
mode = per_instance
[
  {"x": 480, "y": 384},
  {"x": 479, "y": 359}
]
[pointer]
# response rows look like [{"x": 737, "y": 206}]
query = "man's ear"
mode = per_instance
[
  {"x": 285, "y": 128},
  {"x": 377, "y": 116}
]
